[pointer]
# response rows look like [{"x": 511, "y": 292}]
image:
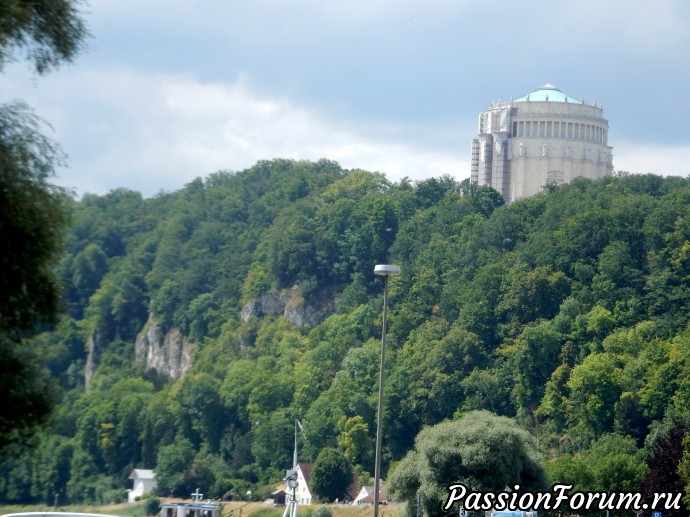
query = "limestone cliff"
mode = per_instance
[
  {"x": 94, "y": 347},
  {"x": 291, "y": 305},
  {"x": 169, "y": 353}
]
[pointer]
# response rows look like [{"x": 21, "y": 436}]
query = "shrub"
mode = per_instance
[
  {"x": 152, "y": 506},
  {"x": 322, "y": 511}
]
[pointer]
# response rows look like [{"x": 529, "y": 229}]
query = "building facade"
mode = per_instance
[
  {"x": 543, "y": 137},
  {"x": 303, "y": 494},
  {"x": 144, "y": 482}
]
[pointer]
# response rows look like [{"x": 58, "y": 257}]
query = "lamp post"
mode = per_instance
[{"x": 386, "y": 271}]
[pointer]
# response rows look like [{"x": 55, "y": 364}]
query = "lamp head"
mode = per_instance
[{"x": 386, "y": 270}]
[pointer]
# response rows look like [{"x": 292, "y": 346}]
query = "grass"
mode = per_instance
[{"x": 234, "y": 508}]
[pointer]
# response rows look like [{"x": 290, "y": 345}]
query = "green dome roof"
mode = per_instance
[{"x": 549, "y": 93}]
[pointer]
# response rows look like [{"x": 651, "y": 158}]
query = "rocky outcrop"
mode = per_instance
[
  {"x": 94, "y": 346},
  {"x": 269, "y": 304},
  {"x": 291, "y": 305},
  {"x": 169, "y": 353}
]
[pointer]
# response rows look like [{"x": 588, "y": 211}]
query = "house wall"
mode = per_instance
[
  {"x": 140, "y": 487},
  {"x": 303, "y": 493}
]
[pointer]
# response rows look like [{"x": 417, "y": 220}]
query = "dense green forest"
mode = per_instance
[{"x": 199, "y": 324}]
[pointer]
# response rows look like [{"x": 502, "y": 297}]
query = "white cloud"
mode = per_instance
[
  {"x": 657, "y": 159},
  {"x": 150, "y": 132},
  {"x": 387, "y": 86}
]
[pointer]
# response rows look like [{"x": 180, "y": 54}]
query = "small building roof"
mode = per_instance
[
  {"x": 547, "y": 93},
  {"x": 306, "y": 471},
  {"x": 366, "y": 494},
  {"x": 142, "y": 474}
]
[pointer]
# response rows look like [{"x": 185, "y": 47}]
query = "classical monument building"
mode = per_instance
[{"x": 543, "y": 137}]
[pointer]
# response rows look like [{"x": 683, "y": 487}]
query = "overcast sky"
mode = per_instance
[{"x": 169, "y": 90}]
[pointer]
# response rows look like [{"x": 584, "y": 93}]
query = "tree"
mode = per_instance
[
  {"x": 272, "y": 439},
  {"x": 612, "y": 463},
  {"x": 32, "y": 216},
  {"x": 49, "y": 32},
  {"x": 480, "y": 449},
  {"x": 354, "y": 439},
  {"x": 531, "y": 294},
  {"x": 28, "y": 395},
  {"x": 152, "y": 506},
  {"x": 173, "y": 462},
  {"x": 31, "y": 222},
  {"x": 88, "y": 269},
  {"x": 663, "y": 474},
  {"x": 684, "y": 469},
  {"x": 331, "y": 475},
  {"x": 52, "y": 465},
  {"x": 199, "y": 409},
  {"x": 538, "y": 348},
  {"x": 594, "y": 390}
]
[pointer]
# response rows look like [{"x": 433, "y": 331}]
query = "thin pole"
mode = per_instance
[
  {"x": 377, "y": 464},
  {"x": 294, "y": 456},
  {"x": 291, "y": 506}
]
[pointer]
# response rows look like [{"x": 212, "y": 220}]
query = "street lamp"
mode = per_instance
[{"x": 386, "y": 271}]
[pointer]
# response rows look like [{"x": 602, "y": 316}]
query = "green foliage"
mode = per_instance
[
  {"x": 331, "y": 475},
  {"x": 171, "y": 467},
  {"x": 272, "y": 440},
  {"x": 198, "y": 410},
  {"x": 152, "y": 506},
  {"x": 594, "y": 388},
  {"x": 48, "y": 34},
  {"x": 566, "y": 312},
  {"x": 31, "y": 222},
  {"x": 536, "y": 355},
  {"x": 322, "y": 511},
  {"x": 267, "y": 512},
  {"x": 33, "y": 214},
  {"x": 665, "y": 468},
  {"x": 531, "y": 294},
  {"x": 613, "y": 463},
  {"x": 684, "y": 468},
  {"x": 480, "y": 449},
  {"x": 28, "y": 395},
  {"x": 354, "y": 440}
]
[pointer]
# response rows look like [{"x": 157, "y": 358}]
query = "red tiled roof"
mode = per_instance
[
  {"x": 306, "y": 472},
  {"x": 383, "y": 494},
  {"x": 352, "y": 491},
  {"x": 306, "y": 468}
]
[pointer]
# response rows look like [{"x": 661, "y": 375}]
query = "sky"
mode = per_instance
[{"x": 170, "y": 90}]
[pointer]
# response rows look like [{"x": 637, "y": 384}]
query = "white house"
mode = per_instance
[
  {"x": 366, "y": 495},
  {"x": 144, "y": 482},
  {"x": 303, "y": 493}
]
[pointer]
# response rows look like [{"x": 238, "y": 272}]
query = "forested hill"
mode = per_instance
[{"x": 199, "y": 324}]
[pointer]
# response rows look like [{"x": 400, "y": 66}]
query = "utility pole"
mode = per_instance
[
  {"x": 291, "y": 480},
  {"x": 387, "y": 271}
]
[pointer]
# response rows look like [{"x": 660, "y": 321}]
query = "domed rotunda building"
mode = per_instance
[{"x": 543, "y": 137}]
